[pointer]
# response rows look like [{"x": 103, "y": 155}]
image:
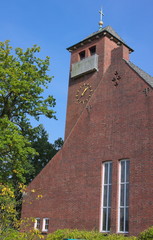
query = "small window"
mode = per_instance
[
  {"x": 45, "y": 224},
  {"x": 92, "y": 50},
  {"x": 37, "y": 223},
  {"x": 82, "y": 55}
]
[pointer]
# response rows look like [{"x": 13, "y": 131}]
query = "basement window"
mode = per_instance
[
  {"x": 82, "y": 55},
  {"x": 37, "y": 224},
  {"x": 92, "y": 50},
  {"x": 45, "y": 226}
]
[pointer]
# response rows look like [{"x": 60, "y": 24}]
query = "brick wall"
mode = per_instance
[{"x": 116, "y": 123}]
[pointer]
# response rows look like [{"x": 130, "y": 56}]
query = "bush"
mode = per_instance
[
  {"x": 12, "y": 234},
  {"x": 74, "y": 234},
  {"x": 90, "y": 235},
  {"x": 147, "y": 234}
]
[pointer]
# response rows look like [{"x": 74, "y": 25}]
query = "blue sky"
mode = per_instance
[{"x": 55, "y": 25}]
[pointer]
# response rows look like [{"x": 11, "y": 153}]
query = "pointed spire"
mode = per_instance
[{"x": 101, "y": 19}]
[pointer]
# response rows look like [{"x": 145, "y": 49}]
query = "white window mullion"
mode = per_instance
[
  {"x": 124, "y": 199},
  {"x": 124, "y": 218},
  {"x": 106, "y": 218}
]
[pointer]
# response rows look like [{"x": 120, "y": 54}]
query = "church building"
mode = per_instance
[{"x": 102, "y": 178}]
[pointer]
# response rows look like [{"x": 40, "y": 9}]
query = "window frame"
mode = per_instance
[
  {"x": 123, "y": 195},
  {"x": 44, "y": 229},
  {"x": 108, "y": 197},
  {"x": 36, "y": 224}
]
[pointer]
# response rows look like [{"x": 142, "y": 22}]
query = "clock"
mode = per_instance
[{"x": 84, "y": 93}]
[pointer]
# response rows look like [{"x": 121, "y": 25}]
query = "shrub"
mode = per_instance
[
  {"x": 76, "y": 234},
  {"x": 11, "y": 234},
  {"x": 147, "y": 234},
  {"x": 90, "y": 235}
]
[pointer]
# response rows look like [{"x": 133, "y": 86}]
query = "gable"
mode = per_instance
[{"x": 141, "y": 73}]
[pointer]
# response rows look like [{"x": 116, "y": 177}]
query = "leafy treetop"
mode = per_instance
[{"x": 23, "y": 78}]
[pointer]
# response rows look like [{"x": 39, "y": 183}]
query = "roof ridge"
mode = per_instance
[{"x": 111, "y": 30}]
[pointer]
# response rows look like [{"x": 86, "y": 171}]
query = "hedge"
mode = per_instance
[
  {"x": 89, "y": 235},
  {"x": 11, "y": 234}
]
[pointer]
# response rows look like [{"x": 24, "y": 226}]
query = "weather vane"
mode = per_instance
[{"x": 101, "y": 19}]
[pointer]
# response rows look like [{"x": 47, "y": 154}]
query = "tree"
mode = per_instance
[
  {"x": 7, "y": 207},
  {"x": 23, "y": 79},
  {"x": 45, "y": 150},
  {"x": 15, "y": 150}
]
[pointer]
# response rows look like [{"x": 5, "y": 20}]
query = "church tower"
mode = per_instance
[
  {"x": 102, "y": 177},
  {"x": 90, "y": 60}
]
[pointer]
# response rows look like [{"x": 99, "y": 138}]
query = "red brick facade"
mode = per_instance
[{"x": 116, "y": 123}]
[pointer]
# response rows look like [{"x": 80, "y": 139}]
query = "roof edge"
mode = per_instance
[
  {"x": 107, "y": 31},
  {"x": 145, "y": 76}
]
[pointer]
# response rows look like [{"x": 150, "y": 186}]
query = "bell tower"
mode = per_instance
[{"x": 90, "y": 59}]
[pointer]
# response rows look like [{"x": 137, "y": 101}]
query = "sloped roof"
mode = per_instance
[
  {"x": 107, "y": 30},
  {"x": 141, "y": 73}
]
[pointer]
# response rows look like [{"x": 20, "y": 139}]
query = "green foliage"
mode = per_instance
[
  {"x": 12, "y": 234},
  {"x": 72, "y": 234},
  {"x": 7, "y": 207},
  {"x": 44, "y": 148},
  {"x": 23, "y": 79},
  {"x": 90, "y": 235},
  {"x": 15, "y": 150},
  {"x": 147, "y": 234}
]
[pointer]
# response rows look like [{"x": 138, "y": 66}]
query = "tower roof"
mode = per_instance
[{"x": 107, "y": 31}]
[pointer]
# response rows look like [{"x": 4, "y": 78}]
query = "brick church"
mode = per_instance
[{"x": 102, "y": 178}]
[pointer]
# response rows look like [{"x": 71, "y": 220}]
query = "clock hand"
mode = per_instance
[{"x": 84, "y": 91}]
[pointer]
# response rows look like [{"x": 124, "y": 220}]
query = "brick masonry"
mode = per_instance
[{"x": 116, "y": 123}]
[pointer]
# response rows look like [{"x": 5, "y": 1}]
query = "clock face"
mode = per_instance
[{"x": 84, "y": 93}]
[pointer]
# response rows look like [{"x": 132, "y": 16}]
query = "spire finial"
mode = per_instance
[{"x": 101, "y": 19}]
